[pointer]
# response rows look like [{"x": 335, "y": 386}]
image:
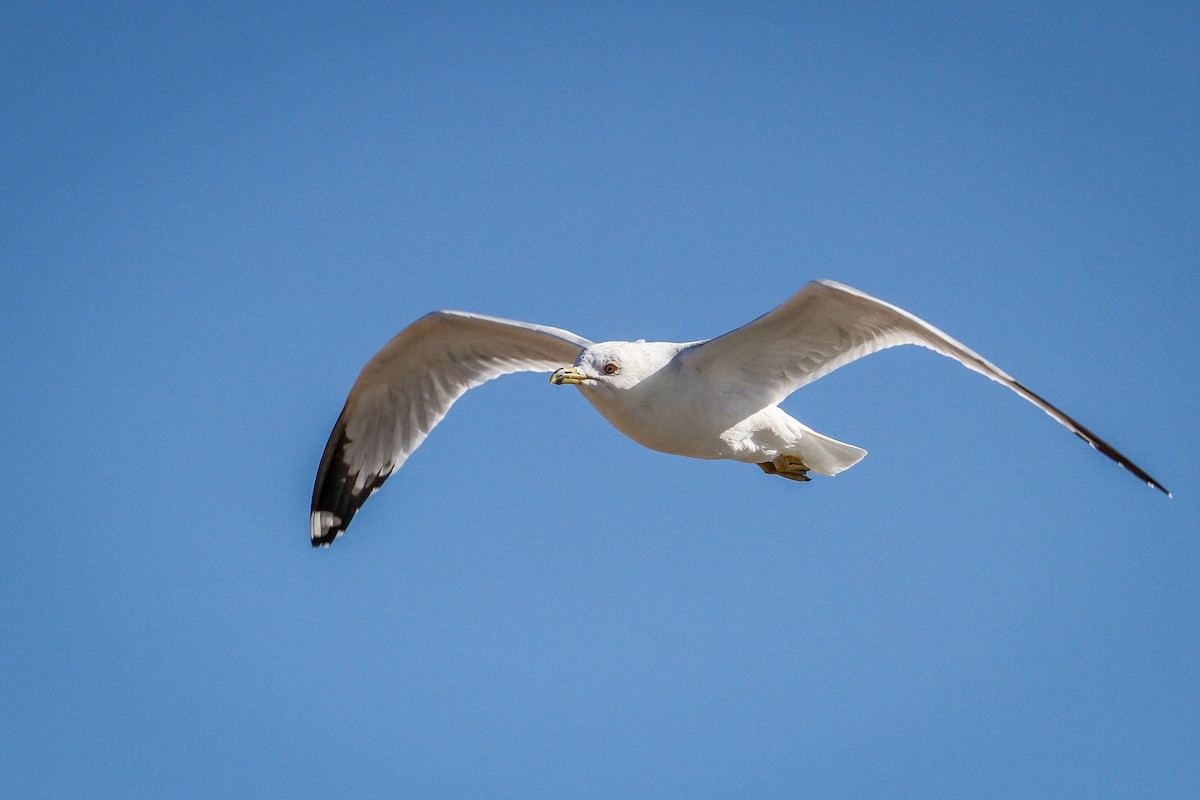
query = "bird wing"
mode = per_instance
[
  {"x": 827, "y": 325},
  {"x": 407, "y": 387}
]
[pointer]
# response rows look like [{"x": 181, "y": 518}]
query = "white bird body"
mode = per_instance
[
  {"x": 647, "y": 406},
  {"x": 711, "y": 399}
]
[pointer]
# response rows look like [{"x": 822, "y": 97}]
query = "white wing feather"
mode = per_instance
[
  {"x": 405, "y": 390},
  {"x": 827, "y": 325}
]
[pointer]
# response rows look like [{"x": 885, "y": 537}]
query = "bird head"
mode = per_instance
[{"x": 616, "y": 365}]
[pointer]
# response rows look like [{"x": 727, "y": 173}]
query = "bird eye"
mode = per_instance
[{"x": 611, "y": 369}]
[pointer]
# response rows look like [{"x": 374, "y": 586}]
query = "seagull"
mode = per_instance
[{"x": 713, "y": 399}]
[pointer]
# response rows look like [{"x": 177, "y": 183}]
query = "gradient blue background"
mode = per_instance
[{"x": 214, "y": 214}]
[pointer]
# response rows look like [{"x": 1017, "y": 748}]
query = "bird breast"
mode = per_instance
[{"x": 674, "y": 416}]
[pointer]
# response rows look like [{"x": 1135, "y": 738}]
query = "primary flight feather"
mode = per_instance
[{"x": 714, "y": 399}]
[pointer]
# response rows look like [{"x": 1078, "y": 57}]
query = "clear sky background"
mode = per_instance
[{"x": 213, "y": 214}]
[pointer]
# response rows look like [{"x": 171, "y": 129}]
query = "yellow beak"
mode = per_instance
[{"x": 570, "y": 375}]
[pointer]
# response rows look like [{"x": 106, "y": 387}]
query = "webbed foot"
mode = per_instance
[{"x": 786, "y": 466}]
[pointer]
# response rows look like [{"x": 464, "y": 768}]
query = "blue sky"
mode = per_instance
[{"x": 214, "y": 214}]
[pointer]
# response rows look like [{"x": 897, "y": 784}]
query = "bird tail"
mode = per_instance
[{"x": 823, "y": 454}]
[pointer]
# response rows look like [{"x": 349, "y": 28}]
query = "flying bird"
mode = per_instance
[{"x": 714, "y": 399}]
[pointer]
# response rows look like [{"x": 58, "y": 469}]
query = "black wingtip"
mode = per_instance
[
  {"x": 336, "y": 496},
  {"x": 1094, "y": 441},
  {"x": 321, "y": 542},
  {"x": 338, "y": 492},
  {"x": 324, "y": 527}
]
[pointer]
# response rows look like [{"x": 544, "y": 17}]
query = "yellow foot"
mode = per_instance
[{"x": 786, "y": 466}]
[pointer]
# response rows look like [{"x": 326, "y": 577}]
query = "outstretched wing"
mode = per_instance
[
  {"x": 825, "y": 326},
  {"x": 407, "y": 387}
]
